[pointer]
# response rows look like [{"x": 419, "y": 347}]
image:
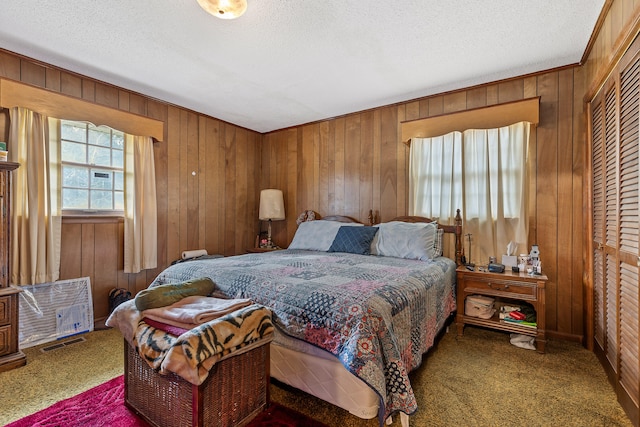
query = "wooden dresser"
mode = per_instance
[{"x": 10, "y": 354}]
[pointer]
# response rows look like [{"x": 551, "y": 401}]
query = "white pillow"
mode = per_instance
[
  {"x": 317, "y": 235},
  {"x": 406, "y": 240}
]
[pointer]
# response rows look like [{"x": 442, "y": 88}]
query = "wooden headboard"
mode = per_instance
[{"x": 455, "y": 229}]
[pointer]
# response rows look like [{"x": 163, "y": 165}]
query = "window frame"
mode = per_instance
[{"x": 93, "y": 168}]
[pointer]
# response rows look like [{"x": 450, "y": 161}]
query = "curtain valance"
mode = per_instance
[
  {"x": 52, "y": 104},
  {"x": 491, "y": 117}
]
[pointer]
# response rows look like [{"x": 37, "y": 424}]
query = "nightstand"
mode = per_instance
[{"x": 506, "y": 288}]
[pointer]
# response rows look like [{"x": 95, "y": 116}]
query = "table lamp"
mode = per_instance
[{"x": 271, "y": 209}]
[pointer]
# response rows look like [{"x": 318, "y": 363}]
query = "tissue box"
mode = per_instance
[{"x": 509, "y": 260}]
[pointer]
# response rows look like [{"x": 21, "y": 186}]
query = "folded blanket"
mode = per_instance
[
  {"x": 192, "y": 311},
  {"x": 195, "y": 352},
  {"x": 164, "y": 295}
]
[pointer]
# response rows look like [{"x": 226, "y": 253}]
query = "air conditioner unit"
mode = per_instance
[{"x": 52, "y": 311}]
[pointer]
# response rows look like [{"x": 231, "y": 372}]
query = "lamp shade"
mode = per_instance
[
  {"x": 225, "y": 9},
  {"x": 271, "y": 205}
]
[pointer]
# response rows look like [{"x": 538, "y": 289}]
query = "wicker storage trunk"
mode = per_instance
[{"x": 235, "y": 391}]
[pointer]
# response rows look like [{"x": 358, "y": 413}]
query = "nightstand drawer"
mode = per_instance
[
  {"x": 501, "y": 287},
  {"x": 5, "y": 310}
]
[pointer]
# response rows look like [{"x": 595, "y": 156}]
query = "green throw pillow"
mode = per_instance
[{"x": 164, "y": 295}]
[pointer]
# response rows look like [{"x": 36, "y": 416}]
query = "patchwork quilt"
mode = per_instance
[{"x": 377, "y": 315}]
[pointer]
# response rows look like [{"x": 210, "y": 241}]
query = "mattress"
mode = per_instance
[{"x": 319, "y": 373}]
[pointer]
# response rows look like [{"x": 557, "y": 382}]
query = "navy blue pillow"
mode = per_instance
[{"x": 355, "y": 240}]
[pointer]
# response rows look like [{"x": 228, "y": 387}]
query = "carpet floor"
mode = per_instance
[
  {"x": 478, "y": 379},
  {"x": 103, "y": 406}
]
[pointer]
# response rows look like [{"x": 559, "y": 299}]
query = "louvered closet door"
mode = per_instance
[
  {"x": 597, "y": 163},
  {"x": 629, "y": 226},
  {"x": 615, "y": 140}
]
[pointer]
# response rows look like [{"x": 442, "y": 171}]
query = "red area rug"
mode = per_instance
[{"x": 103, "y": 405}]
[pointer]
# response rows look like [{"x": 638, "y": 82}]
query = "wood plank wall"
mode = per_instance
[
  {"x": 215, "y": 209},
  {"x": 346, "y": 165},
  {"x": 350, "y": 164}
]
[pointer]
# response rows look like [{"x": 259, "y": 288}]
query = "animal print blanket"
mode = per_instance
[
  {"x": 377, "y": 315},
  {"x": 192, "y": 354}
]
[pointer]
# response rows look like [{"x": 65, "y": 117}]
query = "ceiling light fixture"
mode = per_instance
[{"x": 225, "y": 9}]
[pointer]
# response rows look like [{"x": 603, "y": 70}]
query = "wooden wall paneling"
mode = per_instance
[
  {"x": 492, "y": 94},
  {"x": 331, "y": 166},
  {"x": 353, "y": 171},
  {"x": 412, "y": 110},
  {"x": 202, "y": 182},
  {"x": 453, "y": 102},
  {"x": 530, "y": 90},
  {"x": 436, "y": 106},
  {"x": 424, "y": 108},
  {"x": 547, "y": 190},
  {"x": 341, "y": 168},
  {"x": 366, "y": 165},
  {"x": 229, "y": 187},
  {"x": 211, "y": 170},
  {"x": 388, "y": 163},
  {"x": 325, "y": 159},
  {"x": 158, "y": 111},
  {"x": 71, "y": 241},
  {"x": 565, "y": 218},
  {"x": 402, "y": 166},
  {"x": 106, "y": 95},
  {"x": 122, "y": 277},
  {"x": 52, "y": 79},
  {"x": 477, "y": 97},
  {"x": 510, "y": 90},
  {"x": 123, "y": 100},
  {"x": 241, "y": 224},
  {"x": 288, "y": 167},
  {"x": 306, "y": 163},
  {"x": 375, "y": 149},
  {"x": 89, "y": 90},
  {"x": 71, "y": 85},
  {"x": 316, "y": 165},
  {"x": 578, "y": 243},
  {"x": 184, "y": 182},
  {"x": 173, "y": 184},
  {"x": 88, "y": 253},
  {"x": 138, "y": 104},
  {"x": 253, "y": 191},
  {"x": 32, "y": 73},
  {"x": 9, "y": 66},
  {"x": 192, "y": 182},
  {"x": 106, "y": 267}
]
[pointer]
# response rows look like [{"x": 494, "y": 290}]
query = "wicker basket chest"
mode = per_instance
[{"x": 236, "y": 390}]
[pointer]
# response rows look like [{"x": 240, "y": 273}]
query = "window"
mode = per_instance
[{"x": 92, "y": 167}]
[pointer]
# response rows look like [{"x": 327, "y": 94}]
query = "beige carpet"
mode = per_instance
[{"x": 477, "y": 380}]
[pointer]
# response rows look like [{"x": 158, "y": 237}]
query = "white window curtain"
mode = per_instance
[
  {"x": 35, "y": 209},
  {"x": 484, "y": 173},
  {"x": 140, "y": 222}
]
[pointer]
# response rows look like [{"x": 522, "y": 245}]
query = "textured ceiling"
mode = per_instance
[{"x": 289, "y": 62}]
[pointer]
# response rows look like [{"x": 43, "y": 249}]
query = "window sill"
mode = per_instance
[{"x": 91, "y": 219}]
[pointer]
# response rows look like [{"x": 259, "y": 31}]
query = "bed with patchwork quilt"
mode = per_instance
[{"x": 374, "y": 304}]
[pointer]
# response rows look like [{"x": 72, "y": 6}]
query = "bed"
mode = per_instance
[{"x": 362, "y": 320}]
